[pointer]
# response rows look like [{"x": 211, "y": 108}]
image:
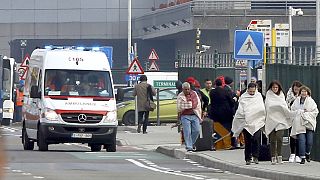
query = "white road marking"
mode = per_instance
[
  {"x": 8, "y": 129},
  {"x": 158, "y": 170},
  {"x": 26, "y": 174},
  {"x": 192, "y": 162},
  {"x": 11, "y": 135},
  {"x": 38, "y": 177},
  {"x": 17, "y": 171}
]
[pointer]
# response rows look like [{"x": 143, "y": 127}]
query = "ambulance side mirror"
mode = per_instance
[
  {"x": 16, "y": 78},
  {"x": 119, "y": 95}
]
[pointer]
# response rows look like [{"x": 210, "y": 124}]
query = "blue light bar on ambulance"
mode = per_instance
[{"x": 81, "y": 48}]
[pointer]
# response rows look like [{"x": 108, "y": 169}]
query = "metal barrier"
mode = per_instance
[
  {"x": 301, "y": 56},
  {"x": 305, "y": 56},
  {"x": 207, "y": 60},
  {"x": 250, "y": 4}
]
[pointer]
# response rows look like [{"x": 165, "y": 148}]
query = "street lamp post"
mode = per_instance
[{"x": 292, "y": 12}]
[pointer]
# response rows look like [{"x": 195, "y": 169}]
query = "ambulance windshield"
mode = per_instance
[{"x": 61, "y": 82}]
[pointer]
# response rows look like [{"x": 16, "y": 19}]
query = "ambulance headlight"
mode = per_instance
[
  {"x": 51, "y": 115},
  {"x": 110, "y": 117},
  {"x": 8, "y": 110}
]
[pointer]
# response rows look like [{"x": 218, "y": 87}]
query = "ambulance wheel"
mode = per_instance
[
  {"x": 27, "y": 143},
  {"x": 43, "y": 145},
  {"x": 111, "y": 147},
  {"x": 5, "y": 122},
  {"x": 95, "y": 147},
  {"x": 128, "y": 118}
]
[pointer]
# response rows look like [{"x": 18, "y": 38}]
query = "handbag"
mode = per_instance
[{"x": 150, "y": 105}]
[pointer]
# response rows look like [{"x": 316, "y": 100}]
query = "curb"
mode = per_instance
[{"x": 235, "y": 168}]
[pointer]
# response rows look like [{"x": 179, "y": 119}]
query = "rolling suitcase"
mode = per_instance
[
  {"x": 264, "y": 150},
  {"x": 285, "y": 150},
  {"x": 205, "y": 140}
]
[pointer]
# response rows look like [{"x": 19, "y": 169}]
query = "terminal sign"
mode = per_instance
[{"x": 164, "y": 83}]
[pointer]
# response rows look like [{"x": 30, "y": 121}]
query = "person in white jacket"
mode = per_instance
[
  {"x": 249, "y": 119},
  {"x": 277, "y": 119},
  {"x": 292, "y": 94},
  {"x": 305, "y": 122}
]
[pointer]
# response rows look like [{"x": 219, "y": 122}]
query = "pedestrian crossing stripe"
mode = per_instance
[
  {"x": 135, "y": 67},
  {"x": 153, "y": 66},
  {"x": 248, "y": 47}
]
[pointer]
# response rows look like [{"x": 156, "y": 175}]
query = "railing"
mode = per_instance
[
  {"x": 207, "y": 60},
  {"x": 301, "y": 56},
  {"x": 251, "y": 4},
  {"x": 304, "y": 56}
]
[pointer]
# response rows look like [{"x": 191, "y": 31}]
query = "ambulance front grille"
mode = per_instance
[{"x": 82, "y": 118}]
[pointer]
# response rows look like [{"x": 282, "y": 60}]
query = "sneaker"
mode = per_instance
[
  {"x": 189, "y": 151},
  {"x": 303, "y": 160},
  {"x": 279, "y": 160},
  {"x": 139, "y": 128},
  {"x": 292, "y": 158},
  {"x": 145, "y": 132},
  {"x": 248, "y": 162},
  {"x": 298, "y": 159},
  {"x": 273, "y": 160},
  {"x": 308, "y": 157},
  {"x": 255, "y": 160}
]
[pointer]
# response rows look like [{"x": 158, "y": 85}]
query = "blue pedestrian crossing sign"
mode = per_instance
[{"x": 248, "y": 45}]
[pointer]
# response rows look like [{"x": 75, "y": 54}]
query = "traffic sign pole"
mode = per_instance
[{"x": 1, "y": 87}]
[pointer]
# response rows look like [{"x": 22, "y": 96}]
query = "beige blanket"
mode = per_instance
[
  {"x": 250, "y": 114},
  {"x": 306, "y": 116},
  {"x": 278, "y": 113}
]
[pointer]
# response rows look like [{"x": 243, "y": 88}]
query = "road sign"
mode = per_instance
[
  {"x": 26, "y": 60},
  {"x": 135, "y": 67},
  {"x": 282, "y": 35},
  {"x": 264, "y": 26},
  {"x": 108, "y": 50},
  {"x": 153, "y": 55},
  {"x": 153, "y": 66},
  {"x": 248, "y": 45},
  {"x": 22, "y": 71},
  {"x": 132, "y": 77},
  {"x": 164, "y": 83}
]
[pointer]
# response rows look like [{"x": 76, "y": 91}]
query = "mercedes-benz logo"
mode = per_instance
[{"x": 82, "y": 118}]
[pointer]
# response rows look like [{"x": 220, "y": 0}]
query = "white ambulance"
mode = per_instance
[{"x": 68, "y": 98}]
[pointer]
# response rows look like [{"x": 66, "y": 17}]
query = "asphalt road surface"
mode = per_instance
[{"x": 75, "y": 161}]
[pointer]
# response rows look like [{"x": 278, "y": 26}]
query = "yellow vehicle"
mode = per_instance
[{"x": 167, "y": 108}]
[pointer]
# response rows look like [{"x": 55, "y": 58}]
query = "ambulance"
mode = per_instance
[
  {"x": 9, "y": 78},
  {"x": 68, "y": 98}
]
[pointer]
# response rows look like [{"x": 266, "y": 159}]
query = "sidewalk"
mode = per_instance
[{"x": 167, "y": 141}]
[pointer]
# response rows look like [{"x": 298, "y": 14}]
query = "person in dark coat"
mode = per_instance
[
  {"x": 228, "y": 88},
  {"x": 221, "y": 105}
]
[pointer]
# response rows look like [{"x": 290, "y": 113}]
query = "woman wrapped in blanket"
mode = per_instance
[
  {"x": 277, "y": 119},
  {"x": 304, "y": 123},
  {"x": 292, "y": 94}
]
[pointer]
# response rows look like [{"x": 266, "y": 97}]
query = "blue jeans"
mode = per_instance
[
  {"x": 305, "y": 143},
  {"x": 191, "y": 129}
]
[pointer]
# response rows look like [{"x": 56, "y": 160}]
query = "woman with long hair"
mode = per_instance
[
  {"x": 277, "y": 119},
  {"x": 292, "y": 94},
  {"x": 304, "y": 123}
]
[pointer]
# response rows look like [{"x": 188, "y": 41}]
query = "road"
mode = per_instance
[{"x": 75, "y": 161}]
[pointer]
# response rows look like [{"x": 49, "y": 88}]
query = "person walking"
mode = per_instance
[
  {"x": 305, "y": 121},
  {"x": 250, "y": 118},
  {"x": 205, "y": 94},
  {"x": 277, "y": 119},
  {"x": 189, "y": 111},
  {"x": 292, "y": 94},
  {"x": 228, "y": 88},
  {"x": 141, "y": 91}
]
